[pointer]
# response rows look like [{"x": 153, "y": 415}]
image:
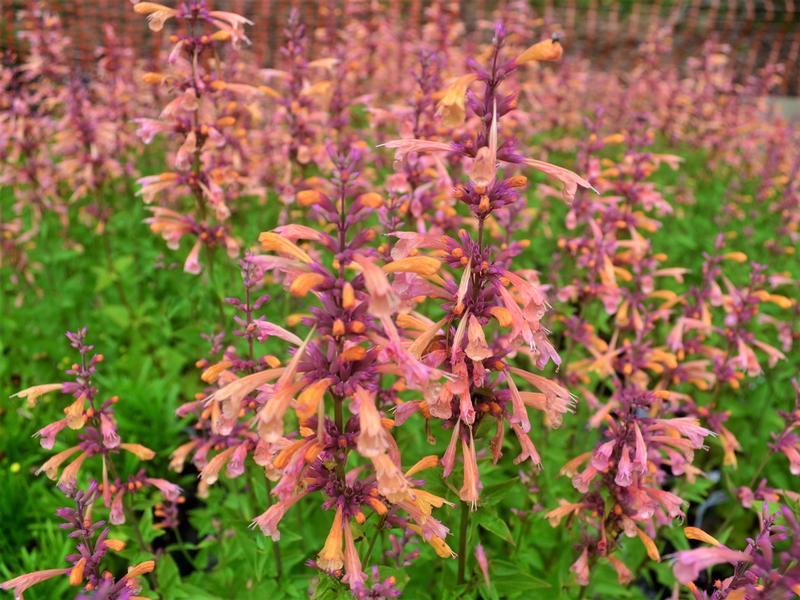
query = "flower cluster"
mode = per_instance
[
  {"x": 768, "y": 566},
  {"x": 352, "y": 345},
  {"x": 202, "y": 113},
  {"x": 432, "y": 294},
  {"x": 86, "y": 564},
  {"x": 97, "y": 436},
  {"x": 658, "y": 349}
]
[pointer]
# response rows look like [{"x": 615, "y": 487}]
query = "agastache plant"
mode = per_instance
[
  {"x": 491, "y": 312},
  {"x": 320, "y": 420},
  {"x": 33, "y": 91},
  {"x": 202, "y": 169},
  {"x": 92, "y": 543},
  {"x": 648, "y": 425},
  {"x": 301, "y": 88},
  {"x": 766, "y": 568},
  {"x": 97, "y": 436},
  {"x": 389, "y": 305}
]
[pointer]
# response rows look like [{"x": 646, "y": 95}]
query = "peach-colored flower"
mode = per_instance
[
  {"x": 274, "y": 242},
  {"x": 484, "y": 167},
  {"x": 231, "y": 395},
  {"x": 210, "y": 471},
  {"x": 19, "y": 584},
  {"x": 382, "y": 300},
  {"x": 405, "y": 146},
  {"x": 477, "y": 348},
  {"x": 268, "y": 521},
  {"x": 32, "y": 393},
  {"x": 308, "y": 402},
  {"x": 570, "y": 180},
  {"x": 331, "y": 557},
  {"x": 546, "y": 50},
  {"x": 372, "y": 436},
  {"x": 391, "y": 482},
  {"x": 50, "y": 467},
  {"x": 70, "y": 473},
  {"x": 470, "y": 490},
  {"x": 452, "y": 107},
  {"x": 157, "y": 14},
  {"x": 564, "y": 509},
  {"x": 139, "y": 451}
]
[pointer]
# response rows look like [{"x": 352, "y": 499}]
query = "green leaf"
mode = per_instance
[
  {"x": 510, "y": 581},
  {"x": 103, "y": 278},
  {"x": 490, "y": 521},
  {"x": 117, "y": 313},
  {"x": 167, "y": 572},
  {"x": 492, "y": 494}
]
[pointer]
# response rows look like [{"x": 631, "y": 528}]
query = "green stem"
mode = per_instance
[
  {"x": 338, "y": 411},
  {"x": 462, "y": 542},
  {"x": 374, "y": 539},
  {"x": 212, "y": 284},
  {"x": 182, "y": 545}
]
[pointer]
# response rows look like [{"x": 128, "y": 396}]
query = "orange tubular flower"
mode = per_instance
[{"x": 331, "y": 557}]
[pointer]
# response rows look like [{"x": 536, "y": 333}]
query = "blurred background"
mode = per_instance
[{"x": 606, "y": 32}]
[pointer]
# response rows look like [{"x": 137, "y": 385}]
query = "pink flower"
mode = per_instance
[
  {"x": 470, "y": 490},
  {"x": 268, "y": 521},
  {"x": 520, "y": 412},
  {"x": 235, "y": 465},
  {"x": 449, "y": 457},
  {"x": 581, "y": 568},
  {"x": 687, "y": 426},
  {"x": 602, "y": 454},
  {"x": 405, "y": 146},
  {"x": 47, "y": 435},
  {"x": 382, "y": 300},
  {"x": 192, "y": 262},
  {"x": 483, "y": 563},
  {"x": 624, "y": 476},
  {"x": 23, "y": 582},
  {"x": 689, "y": 563},
  {"x": 372, "y": 436},
  {"x": 117, "y": 513},
  {"x": 354, "y": 575},
  {"x": 169, "y": 490},
  {"x": 528, "y": 449},
  {"x": 570, "y": 180},
  {"x": 109, "y": 430}
]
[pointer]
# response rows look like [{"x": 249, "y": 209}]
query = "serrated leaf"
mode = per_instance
[
  {"x": 491, "y": 521},
  {"x": 511, "y": 581}
]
